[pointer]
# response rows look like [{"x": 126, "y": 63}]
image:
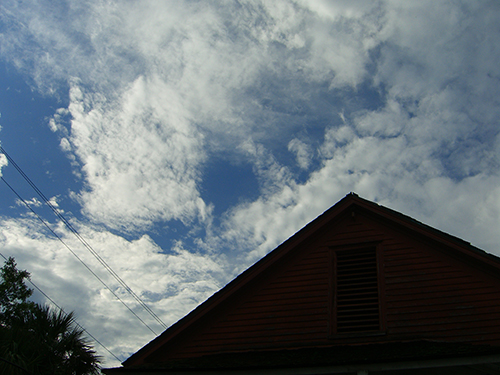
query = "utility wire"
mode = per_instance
[
  {"x": 83, "y": 241},
  {"x": 65, "y": 313},
  {"x": 77, "y": 257}
]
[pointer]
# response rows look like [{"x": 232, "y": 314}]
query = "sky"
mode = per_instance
[{"x": 184, "y": 140}]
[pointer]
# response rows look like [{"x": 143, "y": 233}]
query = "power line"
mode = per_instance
[
  {"x": 65, "y": 313},
  {"x": 76, "y": 256},
  {"x": 83, "y": 241},
  {"x": 78, "y": 324}
]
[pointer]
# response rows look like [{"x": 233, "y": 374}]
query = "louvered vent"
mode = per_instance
[{"x": 357, "y": 300}]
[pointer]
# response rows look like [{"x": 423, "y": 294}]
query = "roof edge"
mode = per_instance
[
  {"x": 240, "y": 281},
  {"x": 350, "y": 200}
]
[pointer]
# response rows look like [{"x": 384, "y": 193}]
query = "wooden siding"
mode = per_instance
[
  {"x": 290, "y": 307},
  {"x": 433, "y": 296},
  {"x": 425, "y": 293}
]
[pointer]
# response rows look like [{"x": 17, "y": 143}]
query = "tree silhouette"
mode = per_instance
[{"x": 35, "y": 339}]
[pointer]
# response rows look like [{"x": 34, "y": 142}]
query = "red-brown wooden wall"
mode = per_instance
[{"x": 430, "y": 291}]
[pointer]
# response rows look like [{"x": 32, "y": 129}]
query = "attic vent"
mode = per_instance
[{"x": 356, "y": 298}]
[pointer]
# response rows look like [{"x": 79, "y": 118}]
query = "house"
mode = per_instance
[{"x": 360, "y": 290}]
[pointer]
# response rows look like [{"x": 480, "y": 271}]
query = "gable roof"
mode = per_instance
[{"x": 352, "y": 205}]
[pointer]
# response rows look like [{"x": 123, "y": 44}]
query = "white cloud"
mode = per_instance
[
  {"x": 178, "y": 81},
  {"x": 404, "y": 177},
  {"x": 3, "y": 162},
  {"x": 140, "y": 156},
  {"x": 271, "y": 174},
  {"x": 3, "y": 158},
  {"x": 160, "y": 84},
  {"x": 171, "y": 284},
  {"x": 33, "y": 202},
  {"x": 302, "y": 152},
  {"x": 427, "y": 151}
]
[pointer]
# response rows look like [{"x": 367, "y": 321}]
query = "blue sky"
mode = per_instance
[{"x": 184, "y": 140}]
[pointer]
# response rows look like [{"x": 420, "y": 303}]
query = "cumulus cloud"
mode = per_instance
[
  {"x": 422, "y": 151},
  {"x": 171, "y": 284},
  {"x": 139, "y": 156}
]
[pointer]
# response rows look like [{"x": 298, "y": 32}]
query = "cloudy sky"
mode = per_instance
[{"x": 184, "y": 140}]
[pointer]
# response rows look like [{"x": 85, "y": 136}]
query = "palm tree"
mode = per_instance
[
  {"x": 65, "y": 351},
  {"x": 47, "y": 342},
  {"x": 36, "y": 339}
]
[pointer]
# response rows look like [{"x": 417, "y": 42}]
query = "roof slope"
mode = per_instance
[{"x": 314, "y": 240}]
